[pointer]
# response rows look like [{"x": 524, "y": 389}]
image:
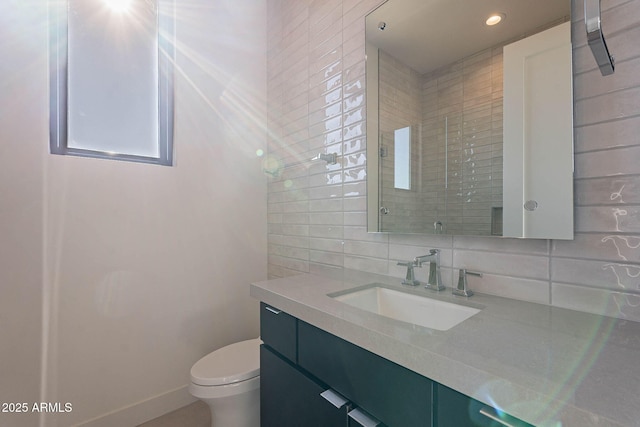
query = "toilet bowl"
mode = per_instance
[{"x": 228, "y": 381}]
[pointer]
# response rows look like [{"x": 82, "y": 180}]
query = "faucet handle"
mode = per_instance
[
  {"x": 410, "y": 278},
  {"x": 463, "y": 288}
]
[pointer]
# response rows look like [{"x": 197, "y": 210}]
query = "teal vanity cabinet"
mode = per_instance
[
  {"x": 279, "y": 331},
  {"x": 388, "y": 392},
  {"x": 309, "y": 377},
  {"x": 288, "y": 395}
]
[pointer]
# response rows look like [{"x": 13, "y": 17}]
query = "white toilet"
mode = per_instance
[{"x": 228, "y": 381}]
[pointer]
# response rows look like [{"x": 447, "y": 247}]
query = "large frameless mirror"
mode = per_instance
[
  {"x": 475, "y": 121},
  {"x": 111, "y": 79}
]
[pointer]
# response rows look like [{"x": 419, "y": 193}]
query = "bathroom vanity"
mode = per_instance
[
  {"x": 337, "y": 374},
  {"x": 312, "y": 378},
  {"x": 328, "y": 363}
]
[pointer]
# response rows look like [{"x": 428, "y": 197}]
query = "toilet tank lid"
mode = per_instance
[{"x": 236, "y": 362}]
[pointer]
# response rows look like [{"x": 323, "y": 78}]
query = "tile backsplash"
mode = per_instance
[{"x": 317, "y": 212}]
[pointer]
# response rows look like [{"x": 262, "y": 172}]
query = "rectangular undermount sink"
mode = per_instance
[{"x": 406, "y": 307}]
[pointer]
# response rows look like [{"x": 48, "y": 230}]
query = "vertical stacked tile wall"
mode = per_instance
[
  {"x": 462, "y": 128},
  {"x": 455, "y": 114},
  {"x": 317, "y": 212}
]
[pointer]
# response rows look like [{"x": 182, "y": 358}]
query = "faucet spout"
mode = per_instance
[
  {"x": 435, "y": 277},
  {"x": 433, "y": 255}
]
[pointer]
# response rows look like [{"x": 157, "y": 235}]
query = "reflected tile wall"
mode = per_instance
[
  {"x": 317, "y": 212},
  {"x": 467, "y": 96},
  {"x": 399, "y": 107}
]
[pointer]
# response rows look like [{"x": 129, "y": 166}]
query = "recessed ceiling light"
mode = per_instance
[{"x": 495, "y": 18}]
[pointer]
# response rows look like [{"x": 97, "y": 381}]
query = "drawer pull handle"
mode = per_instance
[
  {"x": 272, "y": 310},
  {"x": 488, "y": 413},
  {"x": 334, "y": 398},
  {"x": 362, "y": 418}
]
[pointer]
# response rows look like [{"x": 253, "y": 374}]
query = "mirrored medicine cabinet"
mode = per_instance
[{"x": 470, "y": 125}]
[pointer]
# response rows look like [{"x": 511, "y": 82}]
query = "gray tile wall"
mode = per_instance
[{"x": 317, "y": 213}]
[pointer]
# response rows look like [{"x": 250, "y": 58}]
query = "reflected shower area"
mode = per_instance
[{"x": 453, "y": 156}]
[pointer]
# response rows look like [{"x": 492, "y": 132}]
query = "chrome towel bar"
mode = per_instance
[{"x": 595, "y": 37}]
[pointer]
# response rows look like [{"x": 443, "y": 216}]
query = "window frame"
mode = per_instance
[{"x": 59, "y": 89}]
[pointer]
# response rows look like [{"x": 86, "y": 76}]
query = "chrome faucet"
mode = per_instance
[
  {"x": 435, "y": 279},
  {"x": 463, "y": 287},
  {"x": 410, "y": 278}
]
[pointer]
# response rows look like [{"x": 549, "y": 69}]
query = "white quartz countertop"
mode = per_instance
[{"x": 545, "y": 365}]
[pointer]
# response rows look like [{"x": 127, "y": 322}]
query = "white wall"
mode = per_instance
[
  {"x": 23, "y": 130},
  {"x": 136, "y": 270}
]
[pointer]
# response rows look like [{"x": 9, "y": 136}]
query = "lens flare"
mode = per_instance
[{"x": 120, "y": 6}]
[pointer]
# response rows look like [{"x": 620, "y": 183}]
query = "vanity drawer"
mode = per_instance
[
  {"x": 289, "y": 397},
  {"x": 278, "y": 330},
  {"x": 457, "y": 410},
  {"x": 389, "y": 392}
]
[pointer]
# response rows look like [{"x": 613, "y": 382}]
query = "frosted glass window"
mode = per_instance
[
  {"x": 402, "y": 158},
  {"x": 112, "y": 79}
]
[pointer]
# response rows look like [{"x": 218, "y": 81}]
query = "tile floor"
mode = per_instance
[{"x": 193, "y": 415}]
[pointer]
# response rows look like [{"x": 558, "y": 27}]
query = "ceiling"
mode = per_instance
[{"x": 428, "y": 34}]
